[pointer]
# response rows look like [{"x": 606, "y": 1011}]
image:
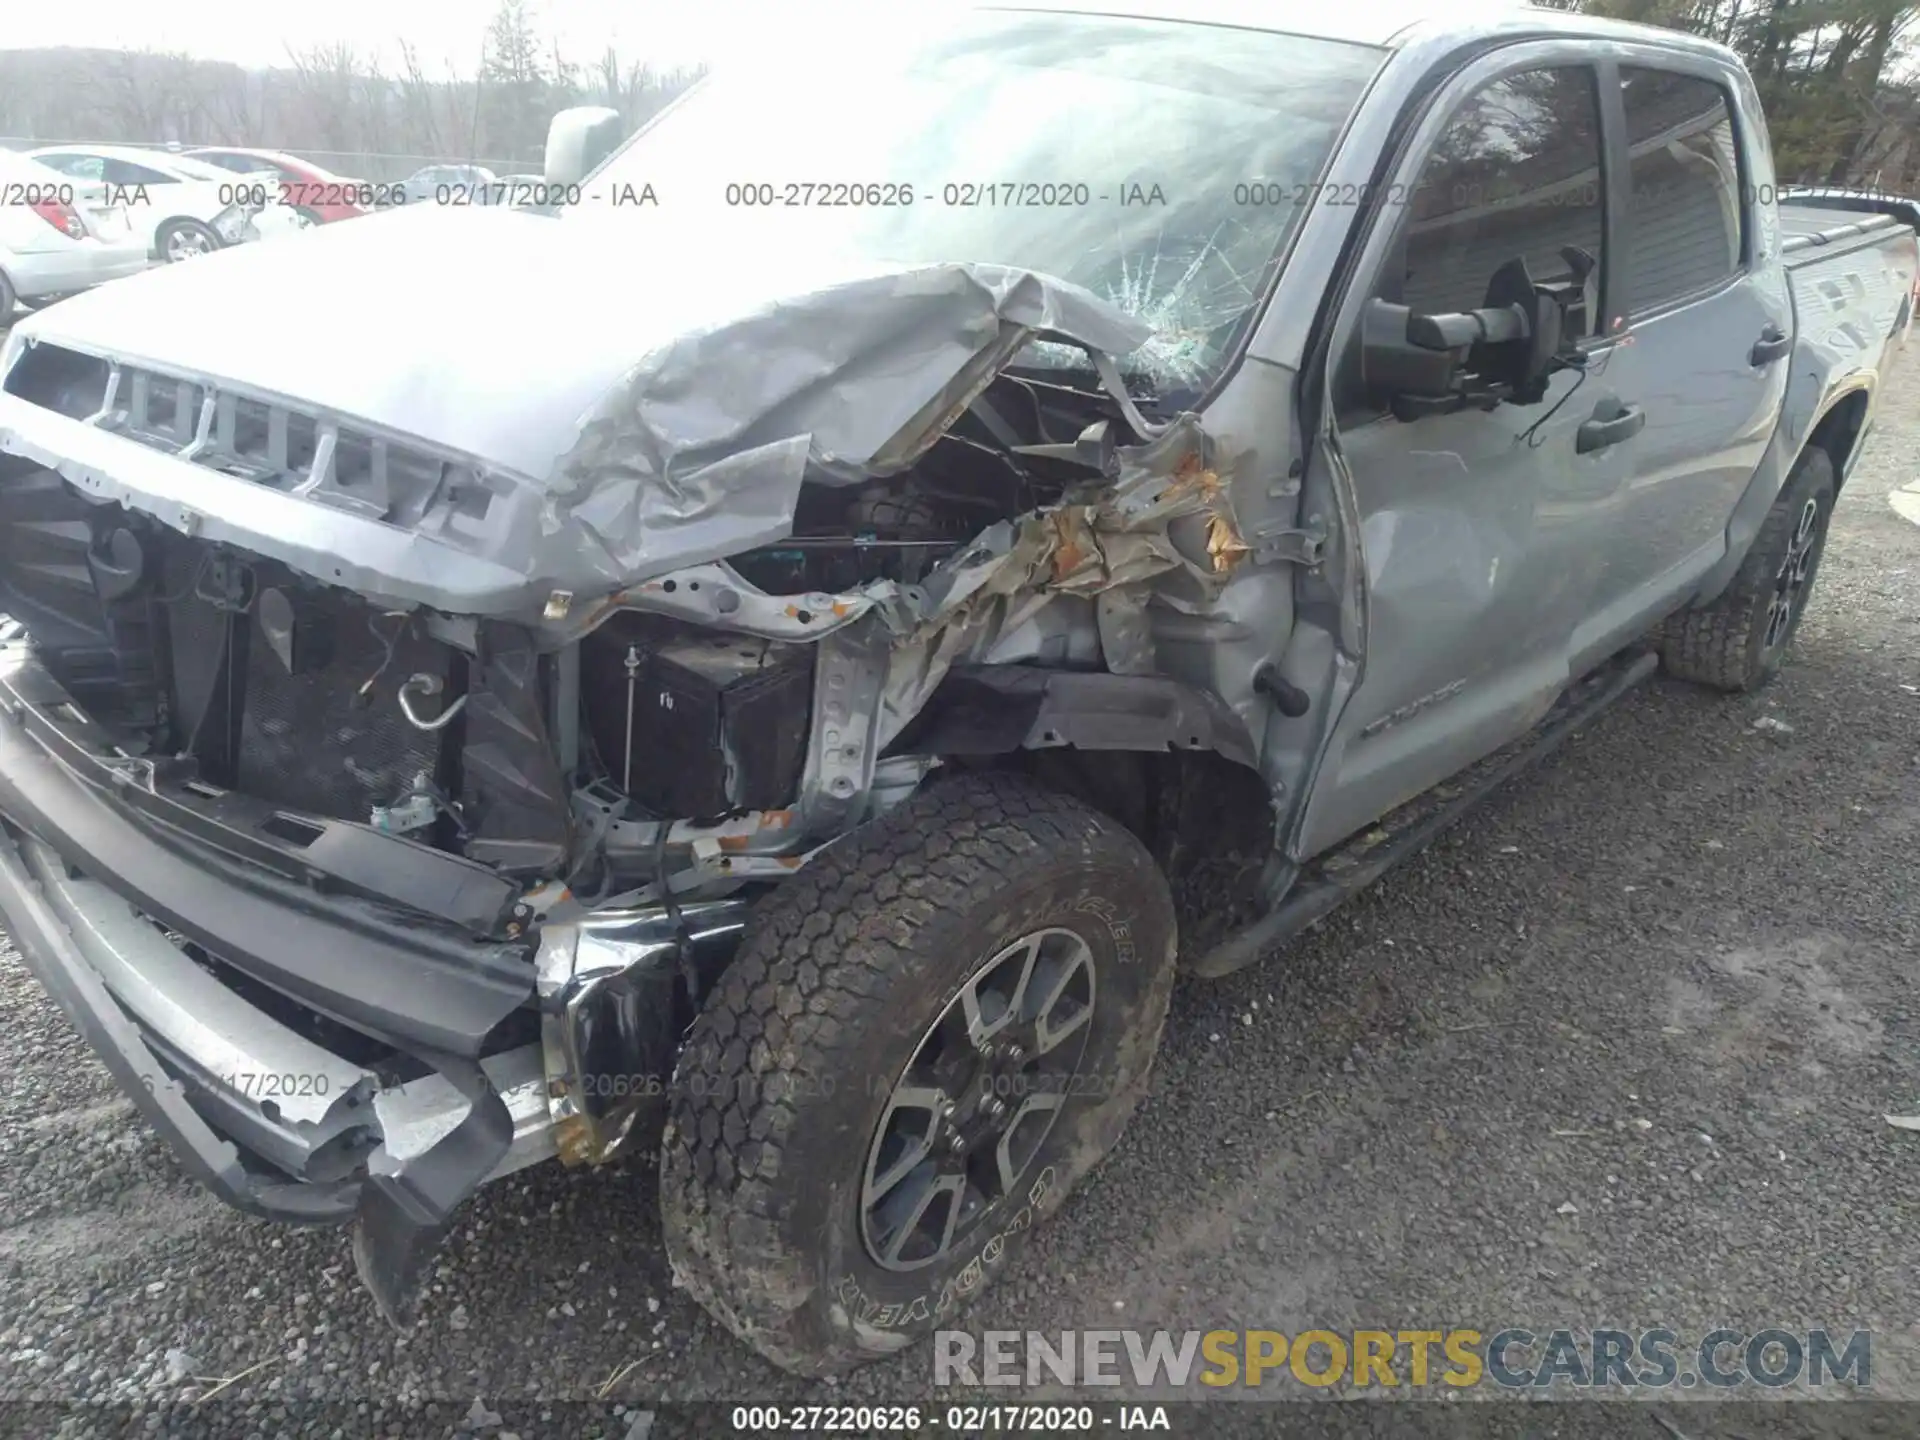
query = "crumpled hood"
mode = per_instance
[
  {"x": 655, "y": 396},
  {"x": 484, "y": 337}
]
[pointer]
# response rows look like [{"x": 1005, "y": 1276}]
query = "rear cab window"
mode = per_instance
[{"x": 1685, "y": 225}]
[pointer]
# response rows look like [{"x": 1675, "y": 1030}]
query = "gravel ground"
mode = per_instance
[{"x": 1617, "y": 1051}]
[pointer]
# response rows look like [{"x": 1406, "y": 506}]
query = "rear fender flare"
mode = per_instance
[{"x": 1770, "y": 476}]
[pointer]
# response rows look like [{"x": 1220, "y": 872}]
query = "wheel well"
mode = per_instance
[
  {"x": 1207, "y": 820},
  {"x": 1170, "y": 762},
  {"x": 1839, "y": 431}
]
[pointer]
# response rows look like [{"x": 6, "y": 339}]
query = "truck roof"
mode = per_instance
[{"x": 1386, "y": 23}]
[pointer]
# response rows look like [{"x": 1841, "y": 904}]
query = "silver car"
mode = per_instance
[{"x": 58, "y": 235}]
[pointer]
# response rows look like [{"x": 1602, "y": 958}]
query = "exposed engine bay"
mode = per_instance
[{"x": 653, "y": 747}]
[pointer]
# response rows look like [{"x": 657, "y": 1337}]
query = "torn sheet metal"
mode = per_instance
[
  {"x": 696, "y": 407},
  {"x": 702, "y": 447},
  {"x": 887, "y": 647},
  {"x": 1119, "y": 550}
]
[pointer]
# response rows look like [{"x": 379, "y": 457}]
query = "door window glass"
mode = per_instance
[{"x": 1515, "y": 173}]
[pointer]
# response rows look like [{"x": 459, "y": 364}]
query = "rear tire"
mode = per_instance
[
  {"x": 810, "y": 1112},
  {"x": 1740, "y": 641},
  {"x": 185, "y": 240}
]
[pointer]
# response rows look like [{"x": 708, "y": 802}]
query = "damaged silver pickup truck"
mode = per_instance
[{"x": 1069, "y": 502}]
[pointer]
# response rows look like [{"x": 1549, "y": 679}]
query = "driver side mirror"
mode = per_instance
[
  {"x": 1430, "y": 364},
  {"x": 579, "y": 139}
]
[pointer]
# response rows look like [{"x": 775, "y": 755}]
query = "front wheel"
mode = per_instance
[
  {"x": 927, "y": 1037},
  {"x": 1740, "y": 641}
]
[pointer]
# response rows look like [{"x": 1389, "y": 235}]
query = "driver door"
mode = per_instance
[{"x": 1484, "y": 530}]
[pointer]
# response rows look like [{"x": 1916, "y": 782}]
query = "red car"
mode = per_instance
[{"x": 319, "y": 194}]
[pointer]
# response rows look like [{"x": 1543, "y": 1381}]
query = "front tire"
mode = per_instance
[
  {"x": 1740, "y": 641},
  {"x": 8, "y": 299},
  {"x": 837, "y": 1177}
]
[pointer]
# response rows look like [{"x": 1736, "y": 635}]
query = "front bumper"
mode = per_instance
[
  {"x": 321, "y": 1021},
  {"x": 272, "y": 1122},
  {"x": 310, "y": 1057}
]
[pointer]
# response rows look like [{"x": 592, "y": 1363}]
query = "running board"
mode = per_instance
[{"x": 1356, "y": 864}]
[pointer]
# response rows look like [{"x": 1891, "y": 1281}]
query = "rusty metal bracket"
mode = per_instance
[
  {"x": 850, "y": 669},
  {"x": 1290, "y": 547}
]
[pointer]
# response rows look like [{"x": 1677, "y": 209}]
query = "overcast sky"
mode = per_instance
[{"x": 665, "y": 33}]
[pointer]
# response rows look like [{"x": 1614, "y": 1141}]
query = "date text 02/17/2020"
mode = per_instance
[
  {"x": 956, "y": 1419},
  {"x": 963, "y": 195}
]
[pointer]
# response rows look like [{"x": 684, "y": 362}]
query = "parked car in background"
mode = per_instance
[
  {"x": 180, "y": 207},
  {"x": 450, "y": 185},
  {"x": 264, "y": 197},
  {"x": 314, "y": 191},
  {"x": 58, "y": 235},
  {"x": 524, "y": 191}
]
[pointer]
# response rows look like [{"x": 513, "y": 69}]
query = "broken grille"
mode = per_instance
[{"x": 299, "y": 451}]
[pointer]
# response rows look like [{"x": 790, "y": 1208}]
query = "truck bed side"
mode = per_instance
[
  {"x": 1852, "y": 269},
  {"x": 1851, "y": 275}
]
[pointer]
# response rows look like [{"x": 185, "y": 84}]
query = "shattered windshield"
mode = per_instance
[{"x": 1161, "y": 165}]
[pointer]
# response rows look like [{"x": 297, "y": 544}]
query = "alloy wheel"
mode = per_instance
[
  {"x": 977, "y": 1100},
  {"x": 1790, "y": 582},
  {"x": 186, "y": 244}
]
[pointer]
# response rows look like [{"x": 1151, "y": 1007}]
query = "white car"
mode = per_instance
[
  {"x": 58, "y": 235},
  {"x": 181, "y": 207}
]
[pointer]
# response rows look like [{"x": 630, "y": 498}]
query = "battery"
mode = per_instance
[{"x": 719, "y": 722}]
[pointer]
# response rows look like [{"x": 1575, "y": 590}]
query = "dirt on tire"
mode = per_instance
[
  {"x": 1723, "y": 645},
  {"x": 787, "y": 1070}
]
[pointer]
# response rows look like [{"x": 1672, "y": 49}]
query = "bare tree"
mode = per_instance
[
  {"x": 516, "y": 86},
  {"x": 421, "y": 101},
  {"x": 327, "y": 89},
  {"x": 331, "y": 101}
]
